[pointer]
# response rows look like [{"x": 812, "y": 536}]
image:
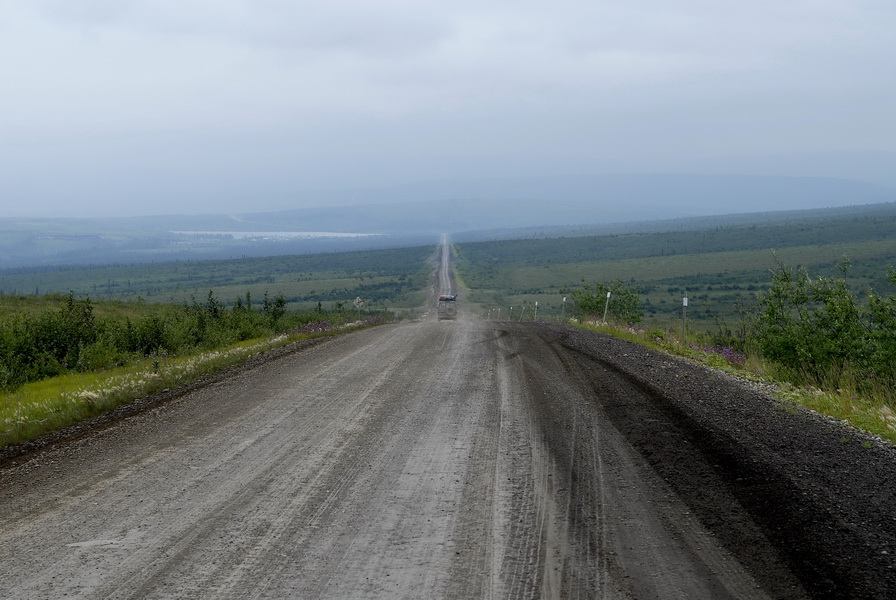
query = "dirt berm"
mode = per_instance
[{"x": 821, "y": 493}]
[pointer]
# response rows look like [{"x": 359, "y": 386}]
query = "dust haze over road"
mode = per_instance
[{"x": 461, "y": 459}]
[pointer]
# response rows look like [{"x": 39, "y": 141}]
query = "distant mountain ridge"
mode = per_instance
[
  {"x": 797, "y": 191},
  {"x": 455, "y": 206},
  {"x": 417, "y": 213}
]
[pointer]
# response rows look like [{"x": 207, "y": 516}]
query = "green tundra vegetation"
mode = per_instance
[
  {"x": 816, "y": 330},
  {"x": 720, "y": 269},
  {"x": 393, "y": 278},
  {"x": 64, "y": 359},
  {"x": 46, "y": 337},
  {"x": 120, "y": 332},
  {"x": 86, "y": 339},
  {"x": 812, "y": 295}
]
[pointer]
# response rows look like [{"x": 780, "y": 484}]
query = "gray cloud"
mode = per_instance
[{"x": 193, "y": 106}]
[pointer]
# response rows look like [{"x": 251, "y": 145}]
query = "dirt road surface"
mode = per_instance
[{"x": 455, "y": 460}]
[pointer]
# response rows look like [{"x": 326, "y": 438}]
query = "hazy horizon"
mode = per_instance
[
  {"x": 596, "y": 199},
  {"x": 126, "y": 108}
]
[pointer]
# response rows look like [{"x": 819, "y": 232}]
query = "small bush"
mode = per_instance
[
  {"x": 623, "y": 307},
  {"x": 815, "y": 329}
]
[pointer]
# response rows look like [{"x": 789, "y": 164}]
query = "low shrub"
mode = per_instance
[
  {"x": 36, "y": 408},
  {"x": 72, "y": 339},
  {"x": 815, "y": 329},
  {"x": 622, "y": 305}
]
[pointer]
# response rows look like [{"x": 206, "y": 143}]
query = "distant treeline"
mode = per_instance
[
  {"x": 795, "y": 218},
  {"x": 721, "y": 269},
  {"x": 878, "y": 225},
  {"x": 375, "y": 276}
]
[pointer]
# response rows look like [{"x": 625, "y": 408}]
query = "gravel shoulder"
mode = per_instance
[
  {"x": 821, "y": 494},
  {"x": 454, "y": 460}
]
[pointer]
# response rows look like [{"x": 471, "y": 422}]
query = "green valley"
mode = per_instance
[{"x": 720, "y": 268}]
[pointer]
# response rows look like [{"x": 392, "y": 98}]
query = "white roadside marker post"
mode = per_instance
[{"x": 606, "y": 306}]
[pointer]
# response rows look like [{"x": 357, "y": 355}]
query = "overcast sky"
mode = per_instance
[{"x": 188, "y": 106}]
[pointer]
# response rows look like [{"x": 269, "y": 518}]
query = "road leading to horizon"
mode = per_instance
[
  {"x": 398, "y": 462},
  {"x": 451, "y": 460},
  {"x": 445, "y": 273}
]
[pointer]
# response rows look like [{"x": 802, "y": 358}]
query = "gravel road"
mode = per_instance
[{"x": 455, "y": 460}]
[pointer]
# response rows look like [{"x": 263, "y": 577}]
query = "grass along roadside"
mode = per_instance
[
  {"x": 874, "y": 413},
  {"x": 44, "y": 407}
]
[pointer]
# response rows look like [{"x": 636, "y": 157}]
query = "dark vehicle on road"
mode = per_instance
[{"x": 447, "y": 307}]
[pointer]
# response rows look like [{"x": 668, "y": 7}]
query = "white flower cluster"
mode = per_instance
[
  {"x": 20, "y": 415},
  {"x": 887, "y": 414}
]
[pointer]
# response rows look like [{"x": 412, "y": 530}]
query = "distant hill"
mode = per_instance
[
  {"x": 416, "y": 214},
  {"x": 455, "y": 206},
  {"x": 701, "y": 194}
]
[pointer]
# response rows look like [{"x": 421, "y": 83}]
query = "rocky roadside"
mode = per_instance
[{"x": 823, "y": 492}]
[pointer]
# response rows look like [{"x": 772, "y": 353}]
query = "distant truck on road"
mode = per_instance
[{"x": 447, "y": 307}]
